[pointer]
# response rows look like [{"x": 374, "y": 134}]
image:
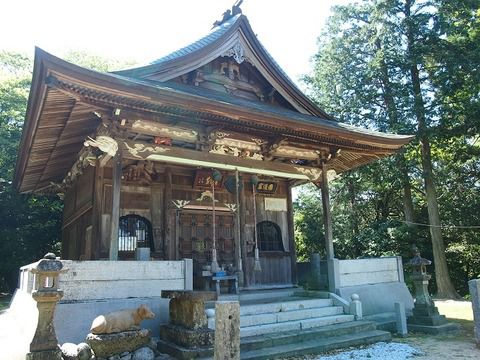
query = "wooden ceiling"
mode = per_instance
[{"x": 64, "y": 125}]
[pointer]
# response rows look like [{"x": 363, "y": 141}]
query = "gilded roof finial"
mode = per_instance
[{"x": 228, "y": 14}]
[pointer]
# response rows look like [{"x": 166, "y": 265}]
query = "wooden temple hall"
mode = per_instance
[{"x": 193, "y": 156}]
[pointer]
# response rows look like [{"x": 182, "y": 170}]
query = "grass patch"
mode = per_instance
[{"x": 455, "y": 309}]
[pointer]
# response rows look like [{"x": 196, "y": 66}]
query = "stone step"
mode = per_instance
[
  {"x": 279, "y": 317},
  {"x": 295, "y": 325},
  {"x": 317, "y": 345},
  {"x": 385, "y": 321},
  {"x": 256, "y": 314},
  {"x": 277, "y": 339},
  {"x": 283, "y": 306},
  {"x": 259, "y": 295}
]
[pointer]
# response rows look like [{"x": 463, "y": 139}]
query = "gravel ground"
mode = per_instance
[{"x": 379, "y": 351}]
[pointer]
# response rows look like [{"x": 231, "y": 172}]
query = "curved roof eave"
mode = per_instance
[
  {"x": 48, "y": 64},
  {"x": 162, "y": 94}
]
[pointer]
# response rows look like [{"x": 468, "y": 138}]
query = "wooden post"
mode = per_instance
[
  {"x": 97, "y": 211},
  {"x": 156, "y": 210},
  {"x": 291, "y": 234},
  {"x": 238, "y": 242},
  {"x": 114, "y": 220},
  {"x": 243, "y": 240},
  {"x": 168, "y": 243},
  {"x": 327, "y": 218}
]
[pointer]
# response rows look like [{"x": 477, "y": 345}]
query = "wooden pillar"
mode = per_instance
[
  {"x": 327, "y": 218},
  {"x": 238, "y": 232},
  {"x": 291, "y": 234},
  {"x": 156, "y": 212},
  {"x": 243, "y": 240},
  {"x": 168, "y": 240},
  {"x": 97, "y": 211},
  {"x": 116, "y": 188}
]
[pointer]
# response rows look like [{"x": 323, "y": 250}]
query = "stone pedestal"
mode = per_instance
[
  {"x": 187, "y": 335},
  {"x": 425, "y": 316},
  {"x": 106, "y": 345},
  {"x": 44, "y": 344},
  {"x": 227, "y": 330},
  {"x": 474, "y": 287}
]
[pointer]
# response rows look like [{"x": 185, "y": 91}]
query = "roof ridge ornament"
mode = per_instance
[
  {"x": 228, "y": 14},
  {"x": 237, "y": 52}
]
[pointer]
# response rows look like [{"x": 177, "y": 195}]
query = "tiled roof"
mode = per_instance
[
  {"x": 216, "y": 33},
  {"x": 258, "y": 106}
]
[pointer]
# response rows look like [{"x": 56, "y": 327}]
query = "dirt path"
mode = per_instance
[{"x": 454, "y": 346}]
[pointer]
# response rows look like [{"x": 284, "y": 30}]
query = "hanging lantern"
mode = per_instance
[
  {"x": 231, "y": 185},
  {"x": 216, "y": 175}
]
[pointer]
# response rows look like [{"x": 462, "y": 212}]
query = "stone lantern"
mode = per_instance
[
  {"x": 425, "y": 316},
  {"x": 46, "y": 293},
  {"x": 420, "y": 278}
]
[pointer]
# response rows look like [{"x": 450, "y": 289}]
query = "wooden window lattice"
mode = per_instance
[
  {"x": 269, "y": 236},
  {"x": 134, "y": 231}
]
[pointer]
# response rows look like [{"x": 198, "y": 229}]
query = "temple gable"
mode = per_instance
[{"x": 235, "y": 76}]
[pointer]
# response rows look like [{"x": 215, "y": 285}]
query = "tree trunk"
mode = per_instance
[
  {"x": 407, "y": 190},
  {"x": 352, "y": 204},
  {"x": 445, "y": 287},
  {"x": 392, "y": 111}
]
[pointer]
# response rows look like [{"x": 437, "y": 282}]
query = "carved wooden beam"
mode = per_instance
[
  {"x": 146, "y": 151},
  {"x": 268, "y": 148}
]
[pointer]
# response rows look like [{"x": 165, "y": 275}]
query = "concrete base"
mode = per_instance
[
  {"x": 434, "y": 330},
  {"x": 187, "y": 337},
  {"x": 182, "y": 353},
  {"x": 384, "y": 321},
  {"x": 85, "y": 311},
  {"x": 73, "y": 319},
  {"x": 426, "y": 319},
  {"x": 380, "y": 298}
]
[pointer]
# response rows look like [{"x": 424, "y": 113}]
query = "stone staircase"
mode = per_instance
[{"x": 282, "y": 323}]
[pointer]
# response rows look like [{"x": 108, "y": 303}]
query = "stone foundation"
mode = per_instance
[
  {"x": 187, "y": 337},
  {"x": 111, "y": 344}
]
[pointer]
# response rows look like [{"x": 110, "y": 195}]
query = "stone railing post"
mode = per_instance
[
  {"x": 188, "y": 272},
  {"x": 334, "y": 280},
  {"x": 474, "y": 287},
  {"x": 45, "y": 292},
  {"x": 356, "y": 307},
  {"x": 227, "y": 330}
]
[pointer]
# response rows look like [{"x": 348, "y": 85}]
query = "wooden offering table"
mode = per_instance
[{"x": 232, "y": 283}]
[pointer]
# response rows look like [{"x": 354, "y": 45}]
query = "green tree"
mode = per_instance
[
  {"x": 406, "y": 66},
  {"x": 30, "y": 224}
]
